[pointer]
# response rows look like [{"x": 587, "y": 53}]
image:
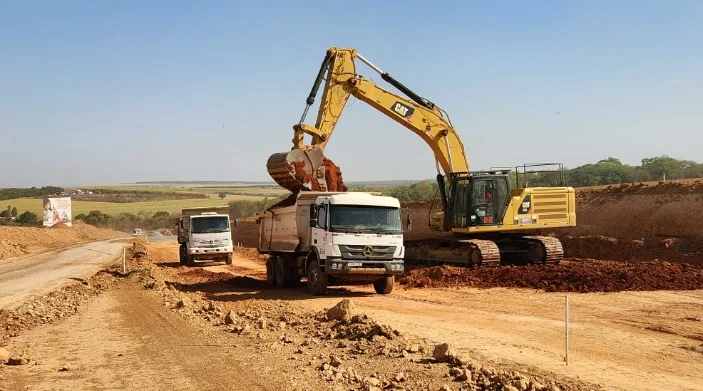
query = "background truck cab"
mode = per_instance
[{"x": 204, "y": 233}]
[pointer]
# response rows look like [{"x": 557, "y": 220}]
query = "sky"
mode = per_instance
[{"x": 113, "y": 92}]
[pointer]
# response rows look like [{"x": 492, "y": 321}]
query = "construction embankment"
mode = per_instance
[
  {"x": 629, "y": 222},
  {"x": 18, "y": 241}
]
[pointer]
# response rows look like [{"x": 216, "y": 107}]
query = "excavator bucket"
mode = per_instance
[{"x": 305, "y": 170}]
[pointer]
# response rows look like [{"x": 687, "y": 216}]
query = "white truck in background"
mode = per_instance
[
  {"x": 204, "y": 233},
  {"x": 333, "y": 238}
]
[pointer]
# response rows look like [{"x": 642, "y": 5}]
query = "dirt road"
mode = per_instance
[
  {"x": 127, "y": 340},
  {"x": 23, "y": 277},
  {"x": 627, "y": 340}
]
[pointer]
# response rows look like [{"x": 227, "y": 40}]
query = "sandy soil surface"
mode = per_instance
[
  {"x": 127, "y": 340},
  {"x": 625, "y": 340},
  {"x": 165, "y": 326},
  {"x": 18, "y": 241},
  {"x": 23, "y": 277}
]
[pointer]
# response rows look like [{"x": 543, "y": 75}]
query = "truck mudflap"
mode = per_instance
[{"x": 338, "y": 266}]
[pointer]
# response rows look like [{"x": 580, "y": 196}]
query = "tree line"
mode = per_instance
[
  {"x": 12, "y": 193},
  {"x": 612, "y": 171}
]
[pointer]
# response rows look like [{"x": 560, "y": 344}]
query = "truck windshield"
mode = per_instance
[
  {"x": 202, "y": 225},
  {"x": 365, "y": 219}
]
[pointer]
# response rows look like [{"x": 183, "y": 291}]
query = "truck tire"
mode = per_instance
[
  {"x": 385, "y": 285},
  {"x": 282, "y": 273},
  {"x": 228, "y": 259},
  {"x": 190, "y": 260},
  {"x": 317, "y": 280},
  {"x": 182, "y": 254},
  {"x": 270, "y": 274}
]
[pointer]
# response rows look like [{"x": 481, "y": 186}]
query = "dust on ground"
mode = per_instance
[{"x": 18, "y": 241}]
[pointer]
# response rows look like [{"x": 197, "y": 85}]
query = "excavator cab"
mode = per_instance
[{"x": 477, "y": 199}]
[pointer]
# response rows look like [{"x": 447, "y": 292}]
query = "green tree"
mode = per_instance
[
  {"x": 14, "y": 212},
  {"x": 222, "y": 195},
  {"x": 27, "y": 218},
  {"x": 660, "y": 166}
]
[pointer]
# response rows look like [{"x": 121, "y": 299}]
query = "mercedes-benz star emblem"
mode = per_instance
[{"x": 368, "y": 251}]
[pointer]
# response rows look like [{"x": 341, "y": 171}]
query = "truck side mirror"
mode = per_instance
[{"x": 409, "y": 223}]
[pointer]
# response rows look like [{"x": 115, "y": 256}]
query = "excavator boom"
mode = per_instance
[{"x": 303, "y": 169}]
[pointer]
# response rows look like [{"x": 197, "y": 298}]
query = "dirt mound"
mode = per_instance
[
  {"x": 569, "y": 276},
  {"x": 17, "y": 241},
  {"x": 251, "y": 253},
  {"x": 654, "y": 220}
]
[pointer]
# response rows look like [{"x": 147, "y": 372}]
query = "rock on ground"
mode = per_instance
[
  {"x": 343, "y": 310},
  {"x": 443, "y": 353}
]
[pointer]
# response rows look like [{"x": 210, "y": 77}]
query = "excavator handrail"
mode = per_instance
[{"x": 524, "y": 171}]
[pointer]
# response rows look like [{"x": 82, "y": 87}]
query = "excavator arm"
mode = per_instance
[{"x": 305, "y": 168}]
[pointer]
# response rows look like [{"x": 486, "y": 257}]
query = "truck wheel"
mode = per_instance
[
  {"x": 190, "y": 259},
  {"x": 385, "y": 285},
  {"x": 228, "y": 259},
  {"x": 317, "y": 280},
  {"x": 182, "y": 254},
  {"x": 270, "y": 275},
  {"x": 282, "y": 273}
]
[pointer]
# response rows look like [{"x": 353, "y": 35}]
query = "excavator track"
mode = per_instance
[
  {"x": 466, "y": 252},
  {"x": 553, "y": 250},
  {"x": 513, "y": 249}
]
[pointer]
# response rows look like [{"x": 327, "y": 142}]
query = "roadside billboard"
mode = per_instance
[{"x": 57, "y": 211}]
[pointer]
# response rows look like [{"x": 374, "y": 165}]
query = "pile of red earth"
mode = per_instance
[
  {"x": 333, "y": 176},
  {"x": 569, "y": 276}
]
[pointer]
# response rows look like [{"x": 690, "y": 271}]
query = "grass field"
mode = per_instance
[{"x": 170, "y": 206}]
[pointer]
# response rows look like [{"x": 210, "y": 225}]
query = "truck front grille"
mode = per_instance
[{"x": 367, "y": 252}]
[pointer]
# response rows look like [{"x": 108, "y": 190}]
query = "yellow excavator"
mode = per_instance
[{"x": 493, "y": 221}]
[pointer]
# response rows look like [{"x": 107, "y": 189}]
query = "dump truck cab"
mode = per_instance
[
  {"x": 333, "y": 238},
  {"x": 204, "y": 233}
]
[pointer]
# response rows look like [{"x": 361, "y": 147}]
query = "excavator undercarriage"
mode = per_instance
[{"x": 488, "y": 251}]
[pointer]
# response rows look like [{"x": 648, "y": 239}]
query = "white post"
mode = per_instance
[
  {"x": 124, "y": 260},
  {"x": 566, "y": 330}
]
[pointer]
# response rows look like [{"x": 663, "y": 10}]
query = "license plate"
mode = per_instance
[{"x": 354, "y": 264}]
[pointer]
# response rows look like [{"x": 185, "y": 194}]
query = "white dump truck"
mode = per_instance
[
  {"x": 333, "y": 238},
  {"x": 204, "y": 233}
]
